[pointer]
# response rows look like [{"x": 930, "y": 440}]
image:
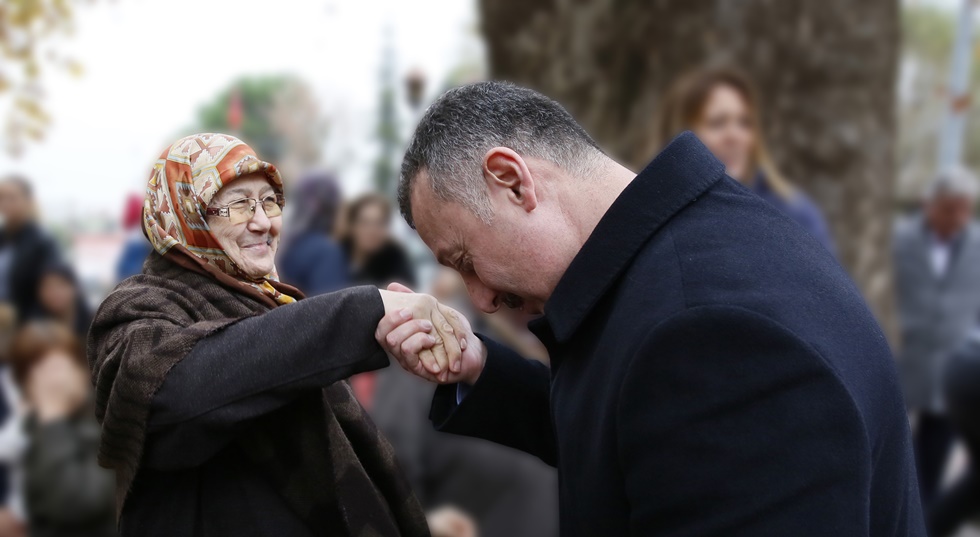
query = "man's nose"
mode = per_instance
[{"x": 482, "y": 296}]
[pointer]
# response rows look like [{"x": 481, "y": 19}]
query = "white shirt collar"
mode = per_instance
[{"x": 940, "y": 254}]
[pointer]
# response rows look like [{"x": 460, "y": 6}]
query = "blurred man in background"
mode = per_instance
[
  {"x": 937, "y": 274},
  {"x": 24, "y": 247}
]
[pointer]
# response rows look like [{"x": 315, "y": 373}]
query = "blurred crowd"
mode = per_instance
[{"x": 50, "y": 481}]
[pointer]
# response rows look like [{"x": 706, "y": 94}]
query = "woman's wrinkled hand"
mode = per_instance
[
  {"x": 424, "y": 340},
  {"x": 410, "y": 342}
]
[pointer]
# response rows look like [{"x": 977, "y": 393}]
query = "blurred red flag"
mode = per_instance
[{"x": 235, "y": 110}]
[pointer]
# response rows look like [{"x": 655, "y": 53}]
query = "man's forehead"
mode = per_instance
[{"x": 952, "y": 198}]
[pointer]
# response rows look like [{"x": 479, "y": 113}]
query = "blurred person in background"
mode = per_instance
[
  {"x": 506, "y": 492},
  {"x": 310, "y": 259},
  {"x": 67, "y": 493},
  {"x": 60, "y": 298},
  {"x": 721, "y": 106},
  {"x": 450, "y": 522},
  {"x": 13, "y": 441},
  {"x": 24, "y": 247},
  {"x": 375, "y": 256},
  {"x": 936, "y": 259},
  {"x": 714, "y": 371},
  {"x": 961, "y": 394},
  {"x": 220, "y": 394},
  {"x": 136, "y": 247}
]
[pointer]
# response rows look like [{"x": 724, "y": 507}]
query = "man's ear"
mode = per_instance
[{"x": 507, "y": 176}]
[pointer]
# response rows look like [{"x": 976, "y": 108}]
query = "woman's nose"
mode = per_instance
[{"x": 260, "y": 221}]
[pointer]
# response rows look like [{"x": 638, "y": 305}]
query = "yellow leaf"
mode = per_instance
[{"x": 75, "y": 67}]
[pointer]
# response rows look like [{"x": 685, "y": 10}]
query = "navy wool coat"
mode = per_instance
[{"x": 714, "y": 372}]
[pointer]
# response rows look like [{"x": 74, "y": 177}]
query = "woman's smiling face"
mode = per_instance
[{"x": 251, "y": 244}]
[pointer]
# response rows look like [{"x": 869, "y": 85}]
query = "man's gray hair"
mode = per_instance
[
  {"x": 954, "y": 182},
  {"x": 461, "y": 126}
]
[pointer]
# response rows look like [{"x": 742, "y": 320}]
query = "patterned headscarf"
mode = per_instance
[{"x": 184, "y": 180}]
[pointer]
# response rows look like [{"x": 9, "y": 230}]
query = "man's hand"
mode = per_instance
[{"x": 409, "y": 341}]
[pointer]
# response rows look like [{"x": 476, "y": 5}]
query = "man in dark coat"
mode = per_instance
[{"x": 714, "y": 371}]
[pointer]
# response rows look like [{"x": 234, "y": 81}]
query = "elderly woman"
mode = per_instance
[{"x": 220, "y": 396}]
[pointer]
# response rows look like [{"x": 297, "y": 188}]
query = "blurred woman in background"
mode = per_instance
[
  {"x": 375, "y": 257},
  {"x": 310, "y": 259},
  {"x": 66, "y": 492},
  {"x": 24, "y": 247},
  {"x": 720, "y": 105},
  {"x": 60, "y": 298}
]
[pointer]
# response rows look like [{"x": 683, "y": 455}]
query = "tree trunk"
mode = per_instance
[{"x": 825, "y": 70}]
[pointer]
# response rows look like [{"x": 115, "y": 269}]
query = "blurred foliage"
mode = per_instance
[
  {"x": 927, "y": 32},
  {"x": 278, "y": 117},
  {"x": 27, "y": 46},
  {"x": 256, "y": 98}
]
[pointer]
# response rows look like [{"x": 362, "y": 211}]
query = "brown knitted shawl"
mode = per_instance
[{"x": 331, "y": 463}]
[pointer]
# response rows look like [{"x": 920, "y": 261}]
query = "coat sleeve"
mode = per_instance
[
  {"x": 509, "y": 405},
  {"x": 728, "y": 424},
  {"x": 256, "y": 366}
]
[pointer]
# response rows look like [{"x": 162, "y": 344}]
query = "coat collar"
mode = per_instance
[{"x": 677, "y": 176}]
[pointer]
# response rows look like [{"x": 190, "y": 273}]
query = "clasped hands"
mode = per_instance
[{"x": 429, "y": 339}]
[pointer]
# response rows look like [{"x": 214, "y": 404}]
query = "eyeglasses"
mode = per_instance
[{"x": 243, "y": 210}]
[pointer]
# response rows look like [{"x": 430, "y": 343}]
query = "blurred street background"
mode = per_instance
[{"x": 867, "y": 108}]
